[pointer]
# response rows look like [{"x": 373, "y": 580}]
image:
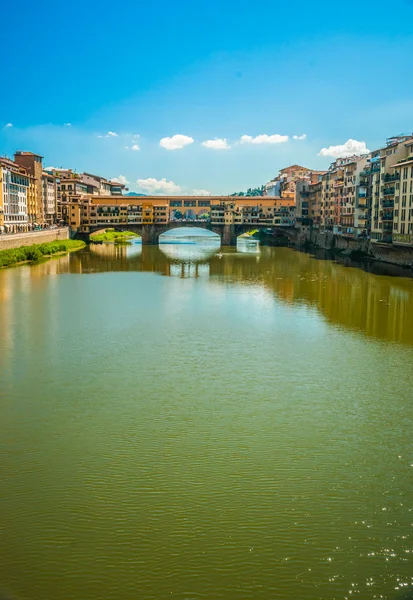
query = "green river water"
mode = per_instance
[{"x": 191, "y": 424}]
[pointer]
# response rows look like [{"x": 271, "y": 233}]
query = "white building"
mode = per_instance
[{"x": 15, "y": 182}]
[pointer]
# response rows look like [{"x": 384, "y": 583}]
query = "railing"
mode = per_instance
[
  {"x": 387, "y": 217},
  {"x": 387, "y": 204},
  {"x": 388, "y": 192},
  {"x": 387, "y": 177}
]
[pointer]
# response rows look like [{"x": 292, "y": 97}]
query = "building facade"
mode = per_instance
[
  {"x": 15, "y": 183},
  {"x": 387, "y": 187},
  {"x": 88, "y": 212},
  {"x": 344, "y": 209},
  {"x": 49, "y": 194},
  {"x": 33, "y": 163},
  {"x": 403, "y": 199}
]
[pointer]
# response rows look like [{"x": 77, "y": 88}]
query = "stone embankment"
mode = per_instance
[
  {"x": 16, "y": 240},
  {"x": 396, "y": 255}
]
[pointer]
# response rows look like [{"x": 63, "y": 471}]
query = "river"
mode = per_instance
[{"x": 186, "y": 424}]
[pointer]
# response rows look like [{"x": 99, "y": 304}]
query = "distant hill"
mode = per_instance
[{"x": 134, "y": 194}]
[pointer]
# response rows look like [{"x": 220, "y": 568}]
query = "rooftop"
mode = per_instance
[{"x": 23, "y": 153}]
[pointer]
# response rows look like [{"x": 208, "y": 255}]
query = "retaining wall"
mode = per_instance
[
  {"x": 396, "y": 255},
  {"x": 15, "y": 240}
]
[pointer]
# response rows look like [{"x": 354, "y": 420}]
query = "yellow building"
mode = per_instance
[
  {"x": 86, "y": 213},
  {"x": 34, "y": 166}
]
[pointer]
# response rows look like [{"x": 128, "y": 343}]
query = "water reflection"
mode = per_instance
[
  {"x": 189, "y": 235},
  {"x": 242, "y": 433},
  {"x": 248, "y": 245},
  {"x": 376, "y": 305},
  {"x": 190, "y": 253},
  {"x": 118, "y": 251}
]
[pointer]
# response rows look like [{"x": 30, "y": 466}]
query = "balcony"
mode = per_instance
[
  {"x": 388, "y": 192},
  {"x": 387, "y": 204},
  {"x": 387, "y": 216},
  {"x": 387, "y": 177}
]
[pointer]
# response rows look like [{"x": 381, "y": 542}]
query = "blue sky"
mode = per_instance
[{"x": 211, "y": 71}]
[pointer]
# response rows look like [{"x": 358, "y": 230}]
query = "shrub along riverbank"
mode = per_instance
[
  {"x": 37, "y": 251},
  {"x": 113, "y": 236}
]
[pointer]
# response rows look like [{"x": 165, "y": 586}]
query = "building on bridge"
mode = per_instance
[{"x": 88, "y": 212}]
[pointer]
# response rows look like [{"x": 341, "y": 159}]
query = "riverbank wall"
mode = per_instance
[
  {"x": 396, "y": 255},
  {"x": 16, "y": 240}
]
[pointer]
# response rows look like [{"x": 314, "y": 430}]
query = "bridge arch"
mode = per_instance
[{"x": 189, "y": 235}]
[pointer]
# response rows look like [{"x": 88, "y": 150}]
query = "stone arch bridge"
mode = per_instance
[{"x": 228, "y": 232}]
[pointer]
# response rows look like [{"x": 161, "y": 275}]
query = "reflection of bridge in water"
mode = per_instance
[{"x": 349, "y": 297}]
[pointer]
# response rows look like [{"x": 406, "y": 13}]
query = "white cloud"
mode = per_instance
[
  {"x": 135, "y": 147},
  {"x": 120, "y": 179},
  {"x": 217, "y": 144},
  {"x": 300, "y": 137},
  {"x": 67, "y": 124},
  {"x": 9, "y": 125},
  {"x": 201, "y": 193},
  {"x": 264, "y": 139},
  {"x": 176, "y": 142},
  {"x": 158, "y": 186},
  {"x": 348, "y": 149},
  {"x": 109, "y": 134}
]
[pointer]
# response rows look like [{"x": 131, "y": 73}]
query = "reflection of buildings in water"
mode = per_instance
[
  {"x": 117, "y": 251},
  {"x": 376, "y": 305},
  {"x": 190, "y": 253},
  {"x": 249, "y": 246}
]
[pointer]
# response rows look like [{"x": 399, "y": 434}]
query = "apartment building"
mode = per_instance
[
  {"x": 308, "y": 203},
  {"x": 70, "y": 186},
  {"x": 33, "y": 163},
  {"x": 403, "y": 198},
  {"x": 386, "y": 214},
  {"x": 343, "y": 200},
  {"x": 15, "y": 183},
  {"x": 284, "y": 185},
  {"x": 102, "y": 186},
  {"x": 49, "y": 194}
]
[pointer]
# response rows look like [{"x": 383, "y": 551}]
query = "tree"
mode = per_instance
[{"x": 258, "y": 191}]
